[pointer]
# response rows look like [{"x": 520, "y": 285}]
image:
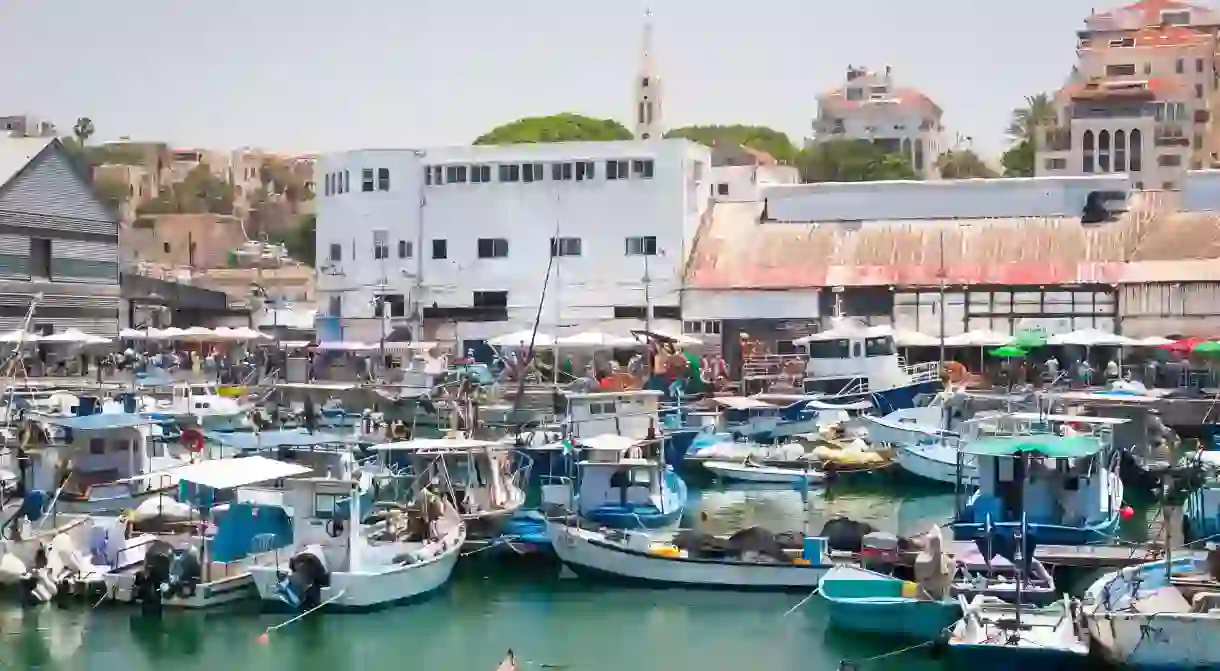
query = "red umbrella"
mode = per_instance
[{"x": 1185, "y": 345}]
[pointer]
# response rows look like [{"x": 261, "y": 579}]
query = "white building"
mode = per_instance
[
  {"x": 868, "y": 106},
  {"x": 465, "y": 238}
]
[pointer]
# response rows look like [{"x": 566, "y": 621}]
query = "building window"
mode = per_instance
[
  {"x": 1147, "y": 67},
  {"x": 1087, "y": 154},
  {"x": 336, "y": 251},
  {"x": 480, "y": 174},
  {"x": 1199, "y": 91},
  {"x": 642, "y": 246},
  {"x": 455, "y": 174},
  {"x": 493, "y": 248},
  {"x": 347, "y": 182},
  {"x": 335, "y": 306},
  {"x": 1179, "y": 67},
  {"x": 1169, "y": 160},
  {"x": 1135, "y": 141},
  {"x": 326, "y": 182},
  {"x": 1199, "y": 65},
  {"x": 1120, "y": 151},
  {"x": 510, "y": 172},
  {"x": 383, "y": 179},
  {"x": 434, "y": 174},
  {"x": 1123, "y": 69},
  {"x": 1103, "y": 151},
  {"x": 1056, "y": 164},
  {"x": 630, "y": 312},
  {"x": 366, "y": 180},
  {"x": 617, "y": 170},
  {"x": 1198, "y": 141},
  {"x": 532, "y": 172},
  {"x": 440, "y": 249},
  {"x": 585, "y": 170},
  {"x": 1168, "y": 186},
  {"x": 165, "y": 247},
  {"x": 381, "y": 244},
  {"x": 405, "y": 250},
  {"x": 666, "y": 312},
  {"x": 565, "y": 246},
  {"x": 561, "y": 172},
  {"x": 855, "y": 94},
  {"x": 490, "y": 299},
  {"x": 642, "y": 168}
]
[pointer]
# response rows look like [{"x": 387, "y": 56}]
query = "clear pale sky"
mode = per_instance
[{"x": 318, "y": 75}]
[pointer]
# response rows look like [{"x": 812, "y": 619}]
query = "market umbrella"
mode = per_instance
[
  {"x": 1210, "y": 348},
  {"x": 1029, "y": 340},
  {"x": 1008, "y": 352}
]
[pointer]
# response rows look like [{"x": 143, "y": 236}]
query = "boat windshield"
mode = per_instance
[
  {"x": 879, "y": 346},
  {"x": 829, "y": 349}
]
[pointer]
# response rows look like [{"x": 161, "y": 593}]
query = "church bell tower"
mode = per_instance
[{"x": 647, "y": 112}]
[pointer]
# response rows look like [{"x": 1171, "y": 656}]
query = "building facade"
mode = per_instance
[
  {"x": 467, "y": 243},
  {"x": 58, "y": 243},
  {"x": 1140, "y": 98},
  {"x": 868, "y": 106},
  {"x": 24, "y": 125}
]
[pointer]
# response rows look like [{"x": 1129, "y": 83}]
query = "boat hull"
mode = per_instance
[
  {"x": 588, "y": 555},
  {"x": 240, "y": 587},
  {"x": 767, "y": 474},
  {"x": 371, "y": 590},
  {"x": 898, "y": 617},
  {"x": 932, "y": 462},
  {"x": 972, "y": 657}
]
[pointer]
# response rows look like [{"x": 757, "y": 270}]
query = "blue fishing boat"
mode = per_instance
[
  {"x": 1201, "y": 514},
  {"x": 618, "y": 488},
  {"x": 1068, "y": 487},
  {"x": 863, "y": 601}
]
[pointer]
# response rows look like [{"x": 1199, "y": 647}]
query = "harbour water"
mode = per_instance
[{"x": 549, "y": 620}]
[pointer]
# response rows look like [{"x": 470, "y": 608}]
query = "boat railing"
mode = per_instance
[
  {"x": 922, "y": 373},
  {"x": 770, "y": 366}
]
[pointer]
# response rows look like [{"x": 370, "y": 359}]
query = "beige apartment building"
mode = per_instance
[{"x": 1140, "y": 98}]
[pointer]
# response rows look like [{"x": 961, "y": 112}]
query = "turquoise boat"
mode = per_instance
[{"x": 863, "y": 601}]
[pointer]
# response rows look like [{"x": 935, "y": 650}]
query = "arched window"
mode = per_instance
[
  {"x": 1087, "y": 160},
  {"x": 1135, "y": 140},
  {"x": 1120, "y": 151},
  {"x": 1103, "y": 151}
]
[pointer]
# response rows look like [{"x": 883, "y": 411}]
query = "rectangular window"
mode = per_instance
[
  {"x": 381, "y": 244},
  {"x": 480, "y": 174},
  {"x": 630, "y": 312},
  {"x": 438, "y": 175},
  {"x": 642, "y": 168},
  {"x": 455, "y": 174},
  {"x": 405, "y": 249},
  {"x": 1056, "y": 164},
  {"x": 617, "y": 170},
  {"x": 335, "y": 306},
  {"x": 692, "y": 328},
  {"x": 642, "y": 246},
  {"x": 510, "y": 173},
  {"x": 490, "y": 299},
  {"x": 493, "y": 248},
  {"x": 666, "y": 312},
  {"x": 428, "y": 175},
  {"x": 561, "y": 172},
  {"x": 1199, "y": 91},
  {"x": 336, "y": 251},
  {"x": 366, "y": 180},
  {"x": 1199, "y": 65},
  {"x": 532, "y": 172},
  {"x": 1179, "y": 67},
  {"x": 326, "y": 182},
  {"x": 440, "y": 249},
  {"x": 565, "y": 246},
  {"x": 585, "y": 170},
  {"x": 722, "y": 189},
  {"x": 1169, "y": 160},
  {"x": 1123, "y": 69},
  {"x": 383, "y": 179},
  {"x": 347, "y": 181}
]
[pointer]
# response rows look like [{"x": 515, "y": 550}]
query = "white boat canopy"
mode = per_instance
[
  {"x": 18, "y": 336},
  {"x": 238, "y": 472},
  {"x": 742, "y": 403},
  {"x": 596, "y": 339},
  {"x": 523, "y": 339},
  {"x": 609, "y": 442},
  {"x": 437, "y": 445}
]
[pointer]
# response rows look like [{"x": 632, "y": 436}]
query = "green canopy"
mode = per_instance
[
  {"x": 1209, "y": 347},
  {"x": 1029, "y": 339},
  {"x": 1008, "y": 352},
  {"x": 1045, "y": 444}
]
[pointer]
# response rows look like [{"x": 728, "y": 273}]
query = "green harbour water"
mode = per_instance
[{"x": 550, "y": 620}]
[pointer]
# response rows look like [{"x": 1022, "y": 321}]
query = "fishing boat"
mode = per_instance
[
  {"x": 1202, "y": 509},
  {"x": 1158, "y": 615},
  {"x": 1001, "y": 636},
  {"x": 927, "y": 438},
  {"x": 1067, "y": 486},
  {"x": 750, "y": 559},
  {"x": 339, "y": 562},
  {"x": 851, "y": 362},
  {"x": 863, "y": 601},
  {"x": 200, "y": 404},
  {"x": 486, "y": 479},
  {"x": 212, "y": 569},
  {"x": 998, "y": 577},
  {"x": 749, "y": 470}
]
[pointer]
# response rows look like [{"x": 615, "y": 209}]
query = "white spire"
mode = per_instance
[{"x": 647, "y": 108}]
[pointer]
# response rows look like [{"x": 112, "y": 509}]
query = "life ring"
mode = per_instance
[
  {"x": 192, "y": 439},
  {"x": 334, "y": 527}
]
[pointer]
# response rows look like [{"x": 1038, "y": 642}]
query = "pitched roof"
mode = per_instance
[{"x": 17, "y": 152}]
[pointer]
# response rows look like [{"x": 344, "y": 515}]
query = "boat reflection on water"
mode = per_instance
[
  {"x": 38, "y": 638},
  {"x": 903, "y": 512}
]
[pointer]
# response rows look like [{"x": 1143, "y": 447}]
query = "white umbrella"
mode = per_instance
[
  {"x": 74, "y": 336},
  {"x": 140, "y": 334},
  {"x": 979, "y": 338},
  {"x": 595, "y": 339},
  {"x": 198, "y": 333},
  {"x": 18, "y": 336},
  {"x": 522, "y": 338},
  {"x": 346, "y": 346},
  {"x": 1152, "y": 341},
  {"x": 171, "y": 333},
  {"x": 226, "y": 333},
  {"x": 247, "y": 333},
  {"x": 914, "y": 339},
  {"x": 1091, "y": 338}
]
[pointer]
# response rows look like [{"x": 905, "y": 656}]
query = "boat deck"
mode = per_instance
[{"x": 1079, "y": 556}]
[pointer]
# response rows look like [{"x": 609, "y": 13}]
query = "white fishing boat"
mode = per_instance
[
  {"x": 1000, "y": 636},
  {"x": 202, "y": 405},
  {"x": 743, "y": 561},
  {"x": 749, "y": 471},
  {"x": 341, "y": 563},
  {"x": 212, "y": 569}
]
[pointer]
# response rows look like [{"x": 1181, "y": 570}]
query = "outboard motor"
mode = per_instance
[
  {"x": 152, "y": 580},
  {"x": 308, "y": 574},
  {"x": 185, "y": 573}
]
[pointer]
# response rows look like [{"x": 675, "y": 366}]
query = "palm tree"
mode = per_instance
[
  {"x": 83, "y": 130},
  {"x": 1037, "y": 111}
]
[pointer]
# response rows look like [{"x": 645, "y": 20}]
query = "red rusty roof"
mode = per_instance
[
  {"x": 1149, "y": 11},
  {"x": 733, "y": 250},
  {"x": 904, "y": 97},
  {"x": 1099, "y": 88}
]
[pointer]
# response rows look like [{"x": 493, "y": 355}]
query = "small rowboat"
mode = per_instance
[{"x": 750, "y": 472}]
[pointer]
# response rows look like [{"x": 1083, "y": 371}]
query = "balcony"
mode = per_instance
[{"x": 1171, "y": 135}]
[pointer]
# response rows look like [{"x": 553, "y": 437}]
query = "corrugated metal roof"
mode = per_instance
[
  {"x": 17, "y": 152},
  {"x": 733, "y": 250}
]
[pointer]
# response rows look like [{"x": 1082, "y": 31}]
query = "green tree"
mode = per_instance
[
  {"x": 566, "y": 127},
  {"x": 112, "y": 191},
  {"x": 762, "y": 138},
  {"x": 300, "y": 240},
  {"x": 852, "y": 161},
  {"x": 199, "y": 192},
  {"x": 1037, "y": 111},
  {"x": 83, "y": 130},
  {"x": 963, "y": 164},
  {"x": 1018, "y": 161}
]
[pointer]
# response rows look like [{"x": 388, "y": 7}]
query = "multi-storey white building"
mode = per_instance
[
  {"x": 869, "y": 107},
  {"x": 461, "y": 242}
]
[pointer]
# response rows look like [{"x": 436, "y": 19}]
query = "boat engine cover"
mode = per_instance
[{"x": 308, "y": 574}]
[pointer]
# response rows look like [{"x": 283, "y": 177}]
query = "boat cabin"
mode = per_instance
[
  {"x": 853, "y": 359},
  {"x": 325, "y": 454},
  {"x": 624, "y": 413}
]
